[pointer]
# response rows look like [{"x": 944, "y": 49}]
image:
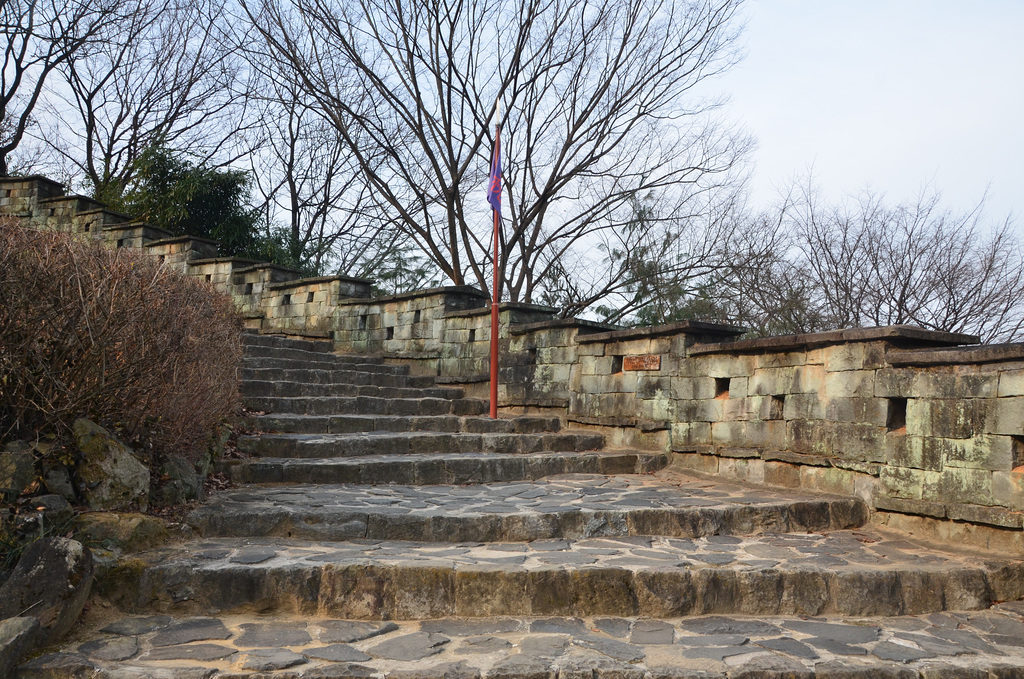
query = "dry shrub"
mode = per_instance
[{"x": 111, "y": 335}]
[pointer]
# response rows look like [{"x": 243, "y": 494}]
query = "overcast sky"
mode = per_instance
[{"x": 894, "y": 94}]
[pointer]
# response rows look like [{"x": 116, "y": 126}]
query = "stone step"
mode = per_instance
[
  {"x": 414, "y": 442},
  {"x": 365, "y": 405},
  {"x": 250, "y": 339},
  {"x": 839, "y": 573},
  {"x": 298, "y": 354},
  {"x": 574, "y": 506},
  {"x": 337, "y": 376},
  {"x": 347, "y": 424},
  {"x": 967, "y": 644},
  {"x": 290, "y": 388},
  {"x": 328, "y": 362},
  {"x": 464, "y": 468}
]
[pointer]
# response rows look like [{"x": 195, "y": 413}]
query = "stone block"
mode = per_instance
[
  {"x": 808, "y": 379},
  {"x": 861, "y": 442},
  {"x": 706, "y": 464},
  {"x": 704, "y": 410},
  {"x": 945, "y": 418},
  {"x": 556, "y": 354},
  {"x": 719, "y": 365},
  {"x": 860, "y": 410},
  {"x": 729, "y": 434},
  {"x": 1008, "y": 489},
  {"x": 782, "y": 359},
  {"x": 915, "y": 452},
  {"x": 782, "y": 474},
  {"x": 810, "y": 436},
  {"x": 849, "y": 384},
  {"x": 687, "y": 435},
  {"x": 954, "y": 484},
  {"x": 747, "y": 470},
  {"x": 803, "y": 407},
  {"x": 740, "y": 409},
  {"x": 1005, "y": 416},
  {"x": 596, "y": 365},
  {"x": 858, "y": 356},
  {"x": 768, "y": 381},
  {"x": 739, "y": 387},
  {"x": 992, "y": 452},
  {"x": 692, "y": 387},
  {"x": 933, "y": 383},
  {"x": 831, "y": 480},
  {"x": 653, "y": 387},
  {"x": 1011, "y": 383}
]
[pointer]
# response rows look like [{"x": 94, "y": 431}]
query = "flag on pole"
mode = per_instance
[{"x": 494, "y": 184}]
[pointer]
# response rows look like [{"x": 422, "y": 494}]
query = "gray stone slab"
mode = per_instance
[
  {"x": 340, "y": 671},
  {"x": 348, "y": 631},
  {"x": 848, "y": 634},
  {"x": 272, "y": 659},
  {"x": 484, "y": 644},
  {"x": 192, "y": 629},
  {"x": 271, "y": 634},
  {"x": 717, "y": 624},
  {"x": 337, "y": 653},
  {"x": 471, "y": 627},
  {"x": 410, "y": 646},
  {"x": 652, "y": 632},
  {"x": 544, "y": 645},
  {"x": 790, "y": 646},
  {"x": 613, "y": 627},
  {"x": 199, "y": 652},
  {"x": 573, "y": 626},
  {"x": 717, "y": 652},
  {"x": 253, "y": 555},
  {"x": 138, "y": 625},
  {"x": 618, "y": 650},
  {"x": 116, "y": 649},
  {"x": 835, "y": 646},
  {"x": 887, "y": 650},
  {"x": 934, "y": 645},
  {"x": 712, "y": 640},
  {"x": 459, "y": 670}
]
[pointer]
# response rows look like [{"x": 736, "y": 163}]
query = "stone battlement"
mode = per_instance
[{"x": 926, "y": 427}]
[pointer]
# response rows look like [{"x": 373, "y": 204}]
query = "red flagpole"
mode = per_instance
[{"x": 495, "y": 297}]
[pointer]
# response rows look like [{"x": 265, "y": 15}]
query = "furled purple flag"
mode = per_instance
[{"x": 494, "y": 184}]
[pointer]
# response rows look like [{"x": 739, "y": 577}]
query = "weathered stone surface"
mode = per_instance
[
  {"x": 122, "y": 532},
  {"x": 50, "y": 583},
  {"x": 118, "y": 648},
  {"x": 199, "y": 652},
  {"x": 410, "y": 646},
  {"x": 272, "y": 659},
  {"x": 337, "y": 653},
  {"x": 113, "y": 478},
  {"x": 17, "y": 639},
  {"x": 347, "y": 631},
  {"x": 180, "y": 484},
  {"x": 17, "y": 470},
  {"x": 273, "y": 634},
  {"x": 193, "y": 629},
  {"x": 138, "y": 625}
]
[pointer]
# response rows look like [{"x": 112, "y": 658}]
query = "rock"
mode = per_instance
[
  {"x": 51, "y": 514},
  {"x": 337, "y": 653},
  {"x": 113, "y": 650},
  {"x": 16, "y": 641},
  {"x": 181, "y": 483},
  {"x": 410, "y": 647},
  {"x": 121, "y": 532},
  {"x": 58, "y": 481},
  {"x": 112, "y": 477},
  {"x": 273, "y": 634},
  {"x": 347, "y": 631},
  {"x": 271, "y": 659},
  {"x": 50, "y": 583},
  {"x": 17, "y": 469},
  {"x": 192, "y": 629}
]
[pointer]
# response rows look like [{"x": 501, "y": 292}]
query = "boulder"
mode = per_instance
[
  {"x": 17, "y": 469},
  {"x": 58, "y": 481},
  {"x": 50, "y": 583},
  {"x": 181, "y": 483},
  {"x": 46, "y": 514},
  {"x": 112, "y": 477}
]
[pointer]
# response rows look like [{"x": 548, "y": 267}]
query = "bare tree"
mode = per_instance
[
  {"x": 160, "y": 77},
  {"x": 39, "y": 37},
  {"x": 599, "y": 108}
]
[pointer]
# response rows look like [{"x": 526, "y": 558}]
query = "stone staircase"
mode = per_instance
[{"x": 383, "y": 526}]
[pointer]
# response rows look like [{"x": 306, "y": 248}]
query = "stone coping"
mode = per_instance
[
  {"x": 30, "y": 178},
  {"x": 182, "y": 239},
  {"x": 101, "y": 210},
  {"x": 895, "y": 333},
  {"x": 316, "y": 279},
  {"x": 126, "y": 226},
  {"x": 467, "y": 290},
  {"x": 265, "y": 265},
  {"x": 504, "y": 306},
  {"x": 222, "y": 260},
  {"x": 72, "y": 196},
  {"x": 961, "y": 355},
  {"x": 650, "y": 332},
  {"x": 582, "y": 325}
]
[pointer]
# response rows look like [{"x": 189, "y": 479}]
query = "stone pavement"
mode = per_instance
[
  {"x": 385, "y": 529},
  {"x": 976, "y": 644}
]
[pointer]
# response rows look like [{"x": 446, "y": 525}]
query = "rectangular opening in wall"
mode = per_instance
[
  {"x": 722, "y": 387},
  {"x": 248, "y": 288},
  {"x": 389, "y": 332},
  {"x": 362, "y": 322},
  {"x": 1018, "y": 451},
  {"x": 472, "y": 335},
  {"x": 286, "y": 300},
  {"x": 209, "y": 278},
  {"x": 776, "y": 407},
  {"x": 416, "y": 317},
  {"x": 120, "y": 242},
  {"x": 309, "y": 297},
  {"x": 160, "y": 259},
  {"x": 896, "y": 418},
  {"x": 616, "y": 364}
]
